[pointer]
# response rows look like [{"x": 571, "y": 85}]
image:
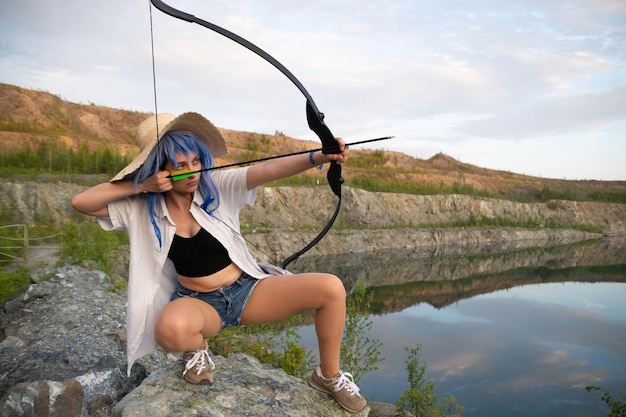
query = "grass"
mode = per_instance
[
  {"x": 530, "y": 223},
  {"x": 13, "y": 283},
  {"x": 367, "y": 171}
]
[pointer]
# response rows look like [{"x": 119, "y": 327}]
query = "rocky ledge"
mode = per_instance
[{"x": 63, "y": 354}]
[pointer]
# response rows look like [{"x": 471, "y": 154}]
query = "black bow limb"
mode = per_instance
[{"x": 315, "y": 118}]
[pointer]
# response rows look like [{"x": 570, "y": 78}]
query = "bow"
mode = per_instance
[{"x": 315, "y": 118}]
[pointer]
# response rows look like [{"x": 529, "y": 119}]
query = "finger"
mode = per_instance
[
  {"x": 337, "y": 157},
  {"x": 341, "y": 143}
]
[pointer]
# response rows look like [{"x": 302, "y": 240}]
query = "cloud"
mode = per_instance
[
  {"x": 504, "y": 70},
  {"x": 552, "y": 115}
]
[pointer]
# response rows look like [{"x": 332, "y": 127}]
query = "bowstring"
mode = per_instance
[
  {"x": 154, "y": 83},
  {"x": 156, "y": 119},
  {"x": 249, "y": 244}
]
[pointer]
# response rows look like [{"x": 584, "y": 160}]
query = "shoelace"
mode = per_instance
[
  {"x": 200, "y": 360},
  {"x": 345, "y": 380}
]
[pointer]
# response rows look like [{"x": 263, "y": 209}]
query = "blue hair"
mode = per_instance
[{"x": 173, "y": 142}]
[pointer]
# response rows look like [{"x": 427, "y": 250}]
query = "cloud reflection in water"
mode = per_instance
[
  {"x": 522, "y": 338},
  {"x": 525, "y": 351}
]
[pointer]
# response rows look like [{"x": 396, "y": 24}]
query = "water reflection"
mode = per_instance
[
  {"x": 454, "y": 272},
  {"x": 516, "y": 334}
]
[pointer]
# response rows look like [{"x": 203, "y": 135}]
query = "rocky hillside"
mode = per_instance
[
  {"x": 284, "y": 219},
  {"x": 29, "y": 117},
  {"x": 309, "y": 208}
]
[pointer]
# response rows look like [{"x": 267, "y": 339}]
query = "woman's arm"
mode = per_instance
[
  {"x": 94, "y": 201},
  {"x": 275, "y": 169}
]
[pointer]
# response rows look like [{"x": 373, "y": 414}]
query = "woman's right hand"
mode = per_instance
[
  {"x": 158, "y": 183},
  {"x": 95, "y": 200}
]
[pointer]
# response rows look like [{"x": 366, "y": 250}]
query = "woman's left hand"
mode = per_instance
[{"x": 342, "y": 156}]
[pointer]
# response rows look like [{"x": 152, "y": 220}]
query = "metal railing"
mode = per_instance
[{"x": 22, "y": 241}]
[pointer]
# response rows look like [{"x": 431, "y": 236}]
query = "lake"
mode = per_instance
[{"x": 516, "y": 333}]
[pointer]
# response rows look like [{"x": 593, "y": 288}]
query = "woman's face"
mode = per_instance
[{"x": 189, "y": 162}]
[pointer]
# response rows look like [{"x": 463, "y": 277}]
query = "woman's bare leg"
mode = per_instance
[
  {"x": 184, "y": 324},
  {"x": 278, "y": 297}
]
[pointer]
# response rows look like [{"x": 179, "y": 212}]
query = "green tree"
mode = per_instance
[{"x": 89, "y": 242}]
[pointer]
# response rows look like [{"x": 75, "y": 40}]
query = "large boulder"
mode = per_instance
[
  {"x": 242, "y": 387},
  {"x": 62, "y": 353}
]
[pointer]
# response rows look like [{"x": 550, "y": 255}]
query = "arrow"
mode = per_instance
[{"x": 182, "y": 174}]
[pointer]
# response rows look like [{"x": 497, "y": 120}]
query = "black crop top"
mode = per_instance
[{"x": 198, "y": 256}]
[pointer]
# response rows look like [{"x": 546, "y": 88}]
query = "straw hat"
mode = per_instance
[{"x": 147, "y": 136}]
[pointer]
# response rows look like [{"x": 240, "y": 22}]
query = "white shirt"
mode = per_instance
[{"x": 152, "y": 276}]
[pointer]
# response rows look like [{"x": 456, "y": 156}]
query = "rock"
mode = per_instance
[
  {"x": 61, "y": 337},
  {"x": 109, "y": 383},
  {"x": 464, "y": 240},
  {"x": 11, "y": 342},
  {"x": 242, "y": 387},
  {"x": 64, "y": 329},
  {"x": 306, "y": 208},
  {"x": 38, "y": 291},
  {"x": 13, "y": 305},
  {"x": 44, "y": 398},
  {"x": 64, "y": 355}
]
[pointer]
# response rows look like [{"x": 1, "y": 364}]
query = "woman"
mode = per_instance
[{"x": 191, "y": 273}]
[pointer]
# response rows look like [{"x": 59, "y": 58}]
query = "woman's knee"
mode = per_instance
[
  {"x": 333, "y": 286},
  {"x": 183, "y": 321},
  {"x": 168, "y": 332},
  {"x": 172, "y": 331}
]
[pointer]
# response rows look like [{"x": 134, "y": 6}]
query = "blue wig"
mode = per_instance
[{"x": 182, "y": 142}]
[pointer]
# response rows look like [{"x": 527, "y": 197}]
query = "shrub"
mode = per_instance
[
  {"x": 13, "y": 283},
  {"x": 420, "y": 399},
  {"x": 274, "y": 343},
  {"x": 617, "y": 406},
  {"x": 89, "y": 242},
  {"x": 359, "y": 353}
]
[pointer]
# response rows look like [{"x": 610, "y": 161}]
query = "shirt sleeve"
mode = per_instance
[
  {"x": 119, "y": 211},
  {"x": 233, "y": 188}
]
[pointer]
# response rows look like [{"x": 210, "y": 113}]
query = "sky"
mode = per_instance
[{"x": 535, "y": 87}]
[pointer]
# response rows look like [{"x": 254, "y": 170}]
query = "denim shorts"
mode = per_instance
[{"x": 228, "y": 301}]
